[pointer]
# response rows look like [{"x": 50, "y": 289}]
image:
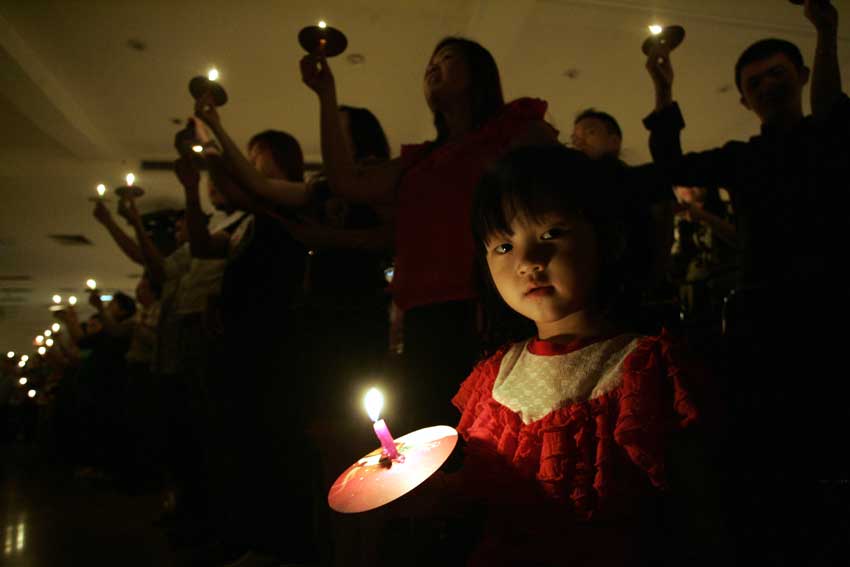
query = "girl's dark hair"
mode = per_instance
[
  {"x": 485, "y": 85},
  {"x": 285, "y": 150},
  {"x": 366, "y": 133},
  {"x": 534, "y": 182}
]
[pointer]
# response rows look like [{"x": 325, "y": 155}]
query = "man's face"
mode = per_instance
[
  {"x": 592, "y": 138},
  {"x": 773, "y": 88}
]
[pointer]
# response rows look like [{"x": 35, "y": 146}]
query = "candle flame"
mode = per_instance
[
  {"x": 374, "y": 402},
  {"x": 25, "y": 357},
  {"x": 212, "y": 75},
  {"x": 10, "y": 354},
  {"x": 31, "y": 393},
  {"x": 22, "y": 381},
  {"x": 130, "y": 179},
  {"x": 323, "y": 24},
  {"x": 55, "y": 327},
  {"x": 72, "y": 300},
  {"x": 655, "y": 29},
  {"x": 21, "y": 364},
  {"x": 39, "y": 340},
  {"x": 57, "y": 299},
  {"x": 42, "y": 350},
  {"x": 48, "y": 332},
  {"x": 48, "y": 343},
  {"x": 197, "y": 149},
  {"x": 92, "y": 284},
  {"x": 101, "y": 190}
]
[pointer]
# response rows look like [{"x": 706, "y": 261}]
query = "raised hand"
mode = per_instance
[
  {"x": 95, "y": 300},
  {"x": 317, "y": 75},
  {"x": 661, "y": 71},
  {"x": 187, "y": 173},
  {"x": 101, "y": 213},
  {"x": 127, "y": 209},
  {"x": 206, "y": 111},
  {"x": 822, "y": 14}
]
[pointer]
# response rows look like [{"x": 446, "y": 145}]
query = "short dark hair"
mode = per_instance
[
  {"x": 125, "y": 302},
  {"x": 286, "y": 152},
  {"x": 368, "y": 136},
  {"x": 763, "y": 49},
  {"x": 609, "y": 121},
  {"x": 536, "y": 181},
  {"x": 486, "y": 95}
]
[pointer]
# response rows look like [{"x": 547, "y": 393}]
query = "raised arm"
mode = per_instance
[
  {"x": 110, "y": 325},
  {"x": 202, "y": 244},
  {"x": 127, "y": 245},
  {"x": 153, "y": 259},
  {"x": 277, "y": 191},
  {"x": 374, "y": 184},
  {"x": 826, "y": 73},
  {"x": 72, "y": 322}
]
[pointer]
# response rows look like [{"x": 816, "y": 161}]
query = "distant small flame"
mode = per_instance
[
  {"x": 48, "y": 342},
  {"x": 31, "y": 393},
  {"x": 42, "y": 350},
  {"x": 48, "y": 332},
  {"x": 197, "y": 149},
  {"x": 22, "y": 381},
  {"x": 72, "y": 300},
  {"x": 91, "y": 284},
  {"x": 39, "y": 340},
  {"x": 101, "y": 190},
  {"x": 57, "y": 299},
  {"x": 212, "y": 75},
  {"x": 25, "y": 357},
  {"x": 130, "y": 179},
  {"x": 655, "y": 29},
  {"x": 323, "y": 24},
  {"x": 55, "y": 327}
]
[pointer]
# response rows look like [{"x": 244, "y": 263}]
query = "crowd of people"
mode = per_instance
[{"x": 637, "y": 359}]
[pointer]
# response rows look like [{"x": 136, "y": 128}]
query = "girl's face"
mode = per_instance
[
  {"x": 546, "y": 270},
  {"x": 263, "y": 161},
  {"x": 447, "y": 75}
]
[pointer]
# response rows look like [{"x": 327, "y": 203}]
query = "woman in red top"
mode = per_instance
[
  {"x": 576, "y": 435},
  {"x": 429, "y": 189}
]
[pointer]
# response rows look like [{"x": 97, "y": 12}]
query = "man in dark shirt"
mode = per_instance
[{"x": 788, "y": 185}]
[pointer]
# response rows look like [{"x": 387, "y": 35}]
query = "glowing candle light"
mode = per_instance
[
  {"x": 197, "y": 149},
  {"x": 25, "y": 357},
  {"x": 57, "y": 299},
  {"x": 130, "y": 178},
  {"x": 23, "y": 381},
  {"x": 31, "y": 393},
  {"x": 655, "y": 29},
  {"x": 48, "y": 342},
  {"x": 91, "y": 284},
  {"x": 73, "y": 300},
  {"x": 47, "y": 332},
  {"x": 101, "y": 190},
  {"x": 213, "y": 75},
  {"x": 55, "y": 327},
  {"x": 39, "y": 340},
  {"x": 21, "y": 364},
  {"x": 323, "y": 24},
  {"x": 10, "y": 354},
  {"x": 42, "y": 350},
  {"x": 374, "y": 402}
]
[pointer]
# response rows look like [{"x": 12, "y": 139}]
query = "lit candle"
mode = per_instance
[
  {"x": 22, "y": 381},
  {"x": 42, "y": 350},
  {"x": 323, "y": 24},
  {"x": 91, "y": 284},
  {"x": 48, "y": 342},
  {"x": 31, "y": 393},
  {"x": 25, "y": 357},
  {"x": 130, "y": 178},
  {"x": 101, "y": 190},
  {"x": 47, "y": 332},
  {"x": 197, "y": 149},
  {"x": 10, "y": 354},
  {"x": 655, "y": 29},
  {"x": 55, "y": 327},
  {"x": 57, "y": 299},
  {"x": 73, "y": 299},
  {"x": 212, "y": 75},
  {"x": 21, "y": 364},
  {"x": 374, "y": 402},
  {"x": 39, "y": 340}
]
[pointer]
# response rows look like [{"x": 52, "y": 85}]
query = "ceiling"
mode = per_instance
[{"x": 79, "y": 106}]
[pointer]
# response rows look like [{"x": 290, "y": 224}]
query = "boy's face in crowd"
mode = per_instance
[
  {"x": 261, "y": 158},
  {"x": 592, "y": 138},
  {"x": 545, "y": 269},
  {"x": 773, "y": 87},
  {"x": 447, "y": 75}
]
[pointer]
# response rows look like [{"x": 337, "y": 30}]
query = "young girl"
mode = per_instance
[{"x": 571, "y": 428}]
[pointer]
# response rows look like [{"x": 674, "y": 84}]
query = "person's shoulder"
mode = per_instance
[{"x": 527, "y": 108}]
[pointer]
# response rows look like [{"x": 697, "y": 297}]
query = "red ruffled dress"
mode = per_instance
[{"x": 566, "y": 447}]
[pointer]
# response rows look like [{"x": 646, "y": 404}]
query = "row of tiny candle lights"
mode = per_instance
[{"x": 129, "y": 179}]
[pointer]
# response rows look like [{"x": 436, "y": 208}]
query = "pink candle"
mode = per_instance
[{"x": 386, "y": 439}]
